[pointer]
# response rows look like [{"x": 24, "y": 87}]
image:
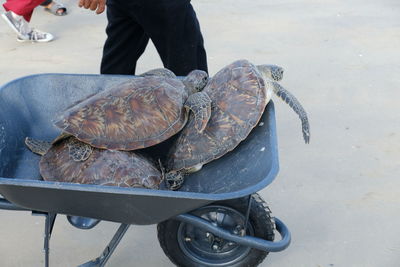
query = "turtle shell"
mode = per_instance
[
  {"x": 135, "y": 114},
  {"x": 103, "y": 167},
  {"x": 239, "y": 98}
]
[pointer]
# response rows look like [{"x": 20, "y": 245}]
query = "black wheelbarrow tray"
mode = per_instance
[{"x": 215, "y": 219}]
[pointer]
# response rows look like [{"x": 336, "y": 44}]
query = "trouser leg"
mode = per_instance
[
  {"x": 22, "y": 7},
  {"x": 126, "y": 41},
  {"x": 175, "y": 32}
]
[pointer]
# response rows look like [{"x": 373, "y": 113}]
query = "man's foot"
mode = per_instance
[
  {"x": 56, "y": 8},
  {"x": 36, "y": 36},
  {"x": 24, "y": 32}
]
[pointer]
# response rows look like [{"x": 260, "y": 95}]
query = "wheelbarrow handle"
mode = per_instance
[{"x": 250, "y": 241}]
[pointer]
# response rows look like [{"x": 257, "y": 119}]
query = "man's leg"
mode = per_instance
[
  {"x": 126, "y": 41},
  {"x": 22, "y": 7},
  {"x": 175, "y": 31}
]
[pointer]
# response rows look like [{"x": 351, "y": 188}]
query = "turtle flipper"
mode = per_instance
[
  {"x": 78, "y": 150},
  {"x": 162, "y": 72},
  {"x": 37, "y": 146},
  {"x": 292, "y": 101},
  {"x": 273, "y": 72},
  {"x": 200, "y": 104},
  {"x": 174, "y": 179}
]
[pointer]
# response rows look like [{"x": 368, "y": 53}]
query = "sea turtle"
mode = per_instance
[
  {"x": 140, "y": 112},
  {"x": 239, "y": 94},
  {"x": 100, "y": 167}
]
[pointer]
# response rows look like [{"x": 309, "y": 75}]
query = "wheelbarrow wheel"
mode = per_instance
[{"x": 187, "y": 245}]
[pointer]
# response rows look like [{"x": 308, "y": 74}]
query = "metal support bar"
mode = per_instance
[
  {"x": 250, "y": 241},
  {"x": 48, "y": 229},
  {"x": 102, "y": 260},
  {"x": 50, "y": 219},
  {"x": 247, "y": 214}
]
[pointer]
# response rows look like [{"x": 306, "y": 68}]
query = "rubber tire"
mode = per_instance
[{"x": 260, "y": 219}]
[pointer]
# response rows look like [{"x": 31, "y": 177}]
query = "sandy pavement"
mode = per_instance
[{"x": 339, "y": 195}]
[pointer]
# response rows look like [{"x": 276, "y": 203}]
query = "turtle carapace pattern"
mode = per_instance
[
  {"x": 239, "y": 94},
  {"x": 140, "y": 112},
  {"x": 101, "y": 167}
]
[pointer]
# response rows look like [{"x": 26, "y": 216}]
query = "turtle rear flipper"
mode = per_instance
[
  {"x": 200, "y": 104},
  {"x": 292, "y": 101},
  {"x": 37, "y": 146}
]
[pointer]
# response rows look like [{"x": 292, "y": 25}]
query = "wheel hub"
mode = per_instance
[{"x": 207, "y": 248}]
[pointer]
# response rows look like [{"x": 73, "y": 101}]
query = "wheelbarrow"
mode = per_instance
[{"x": 215, "y": 219}]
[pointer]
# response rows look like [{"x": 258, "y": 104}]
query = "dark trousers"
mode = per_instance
[{"x": 172, "y": 26}]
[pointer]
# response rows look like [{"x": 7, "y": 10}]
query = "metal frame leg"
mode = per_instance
[
  {"x": 48, "y": 229},
  {"x": 49, "y": 223},
  {"x": 102, "y": 260},
  {"x": 249, "y": 202}
]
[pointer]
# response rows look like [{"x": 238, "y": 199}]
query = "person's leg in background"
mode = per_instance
[
  {"x": 18, "y": 15},
  {"x": 22, "y": 8},
  {"x": 175, "y": 31},
  {"x": 54, "y": 7},
  {"x": 172, "y": 25},
  {"x": 126, "y": 40}
]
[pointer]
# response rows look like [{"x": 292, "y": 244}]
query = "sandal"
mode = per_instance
[{"x": 56, "y": 8}]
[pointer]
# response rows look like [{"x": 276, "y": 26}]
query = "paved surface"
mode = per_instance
[{"x": 339, "y": 195}]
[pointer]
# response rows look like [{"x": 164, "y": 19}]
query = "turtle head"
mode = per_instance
[
  {"x": 271, "y": 71},
  {"x": 195, "y": 81}
]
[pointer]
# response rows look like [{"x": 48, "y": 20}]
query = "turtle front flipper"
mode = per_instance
[
  {"x": 37, "y": 146},
  {"x": 79, "y": 151},
  {"x": 273, "y": 72},
  {"x": 292, "y": 101},
  {"x": 200, "y": 104},
  {"x": 174, "y": 179},
  {"x": 162, "y": 72}
]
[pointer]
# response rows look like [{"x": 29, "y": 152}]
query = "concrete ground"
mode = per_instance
[{"x": 339, "y": 195}]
